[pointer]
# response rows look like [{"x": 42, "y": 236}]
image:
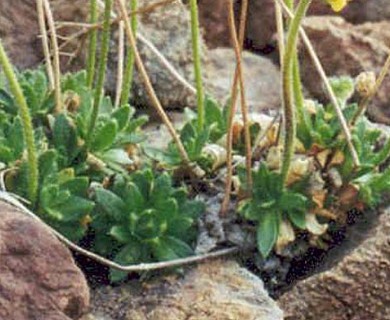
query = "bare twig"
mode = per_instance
[
  {"x": 238, "y": 80},
  {"x": 45, "y": 43},
  {"x": 8, "y": 198},
  {"x": 114, "y": 21},
  {"x": 148, "y": 85},
  {"x": 328, "y": 87},
  {"x": 56, "y": 56}
]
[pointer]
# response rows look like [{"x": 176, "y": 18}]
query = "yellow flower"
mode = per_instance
[{"x": 338, "y": 5}]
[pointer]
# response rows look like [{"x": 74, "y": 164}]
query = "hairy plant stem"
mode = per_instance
[
  {"x": 28, "y": 131},
  {"x": 238, "y": 80},
  {"x": 298, "y": 93},
  {"x": 92, "y": 46},
  {"x": 45, "y": 43},
  {"x": 56, "y": 57},
  {"x": 296, "y": 78},
  {"x": 104, "y": 49},
  {"x": 279, "y": 29},
  {"x": 149, "y": 88},
  {"x": 197, "y": 62},
  {"x": 365, "y": 102},
  {"x": 288, "y": 92},
  {"x": 129, "y": 69},
  {"x": 328, "y": 87},
  {"x": 120, "y": 64}
]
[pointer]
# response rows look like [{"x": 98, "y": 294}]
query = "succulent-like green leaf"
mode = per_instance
[
  {"x": 267, "y": 232},
  {"x": 113, "y": 205},
  {"x": 104, "y": 136}
]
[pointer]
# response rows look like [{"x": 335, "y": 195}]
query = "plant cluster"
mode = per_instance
[
  {"x": 139, "y": 217},
  {"x": 81, "y": 163}
]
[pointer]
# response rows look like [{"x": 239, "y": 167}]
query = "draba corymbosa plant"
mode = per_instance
[
  {"x": 144, "y": 219},
  {"x": 83, "y": 165}
]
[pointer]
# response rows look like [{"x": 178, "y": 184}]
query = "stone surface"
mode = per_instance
[
  {"x": 261, "y": 77},
  {"x": 214, "y": 290},
  {"x": 261, "y": 19},
  {"x": 13, "y": 19},
  {"x": 168, "y": 28},
  {"x": 357, "y": 11},
  {"x": 213, "y": 17},
  {"x": 38, "y": 277},
  {"x": 356, "y": 288},
  {"x": 347, "y": 50}
]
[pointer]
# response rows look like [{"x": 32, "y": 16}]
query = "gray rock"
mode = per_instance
[
  {"x": 214, "y": 290},
  {"x": 356, "y": 288},
  {"x": 261, "y": 77},
  {"x": 38, "y": 277},
  {"x": 168, "y": 29}
]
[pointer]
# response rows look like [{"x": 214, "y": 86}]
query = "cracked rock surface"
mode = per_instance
[
  {"x": 218, "y": 289},
  {"x": 357, "y": 288}
]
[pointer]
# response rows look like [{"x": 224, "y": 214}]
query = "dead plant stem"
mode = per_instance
[
  {"x": 149, "y": 88},
  {"x": 45, "y": 43},
  {"x": 56, "y": 57},
  {"x": 238, "y": 80}
]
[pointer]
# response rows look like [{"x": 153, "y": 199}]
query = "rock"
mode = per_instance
[
  {"x": 213, "y": 16},
  {"x": 38, "y": 277},
  {"x": 214, "y": 290},
  {"x": 19, "y": 31},
  {"x": 357, "y": 11},
  {"x": 376, "y": 30},
  {"x": 160, "y": 27},
  {"x": 262, "y": 78},
  {"x": 261, "y": 25},
  {"x": 346, "y": 50},
  {"x": 356, "y": 288}
]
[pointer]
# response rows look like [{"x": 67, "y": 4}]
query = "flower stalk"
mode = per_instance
[
  {"x": 104, "y": 49},
  {"x": 93, "y": 9},
  {"x": 129, "y": 69},
  {"x": 197, "y": 62},
  {"x": 28, "y": 131},
  {"x": 288, "y": 90}
]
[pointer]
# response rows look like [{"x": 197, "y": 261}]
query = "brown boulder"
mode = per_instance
[
  {"x": 38, "y": 277},
  {"x": 357, "y": 288},
  {"x": 167, "y": 28},
  {"x": 18, "y": 31},
  {"x": 219, "y": 290},
  {"x": 345, "y": 49},
  {"x": 213, "y": 17},
  {"x": 261, "y": 19}
]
